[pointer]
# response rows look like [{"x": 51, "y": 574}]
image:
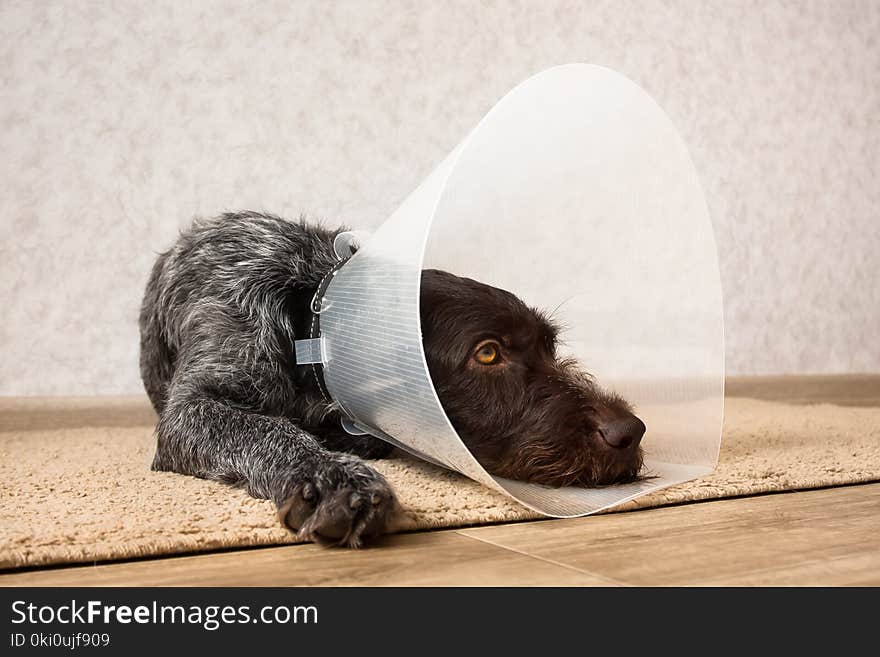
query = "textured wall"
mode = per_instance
[{"x": 120, "y": 121}]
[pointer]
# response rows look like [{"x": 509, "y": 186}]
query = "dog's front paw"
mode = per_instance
[{"x": 341, "y": 504}]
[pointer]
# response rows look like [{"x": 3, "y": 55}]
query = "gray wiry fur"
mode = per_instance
[{"x": 220, "y": 314}]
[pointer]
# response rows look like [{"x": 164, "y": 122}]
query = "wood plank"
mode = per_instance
[
  {"x": 840, "y": 389},
  {"x": 426, "y": 559},
  {"x": 822, "y": 537},
  {"x": 29, "y": 413},
  {"x": 854, "y": 570}
]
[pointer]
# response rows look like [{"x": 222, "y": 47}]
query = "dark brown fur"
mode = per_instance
[{"x": 530, "y": 416}]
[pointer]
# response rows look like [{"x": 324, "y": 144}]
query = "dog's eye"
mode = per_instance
[{"x": 487, "y": 353}]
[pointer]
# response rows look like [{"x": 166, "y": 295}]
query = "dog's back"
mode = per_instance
[{"x": 228, "y": 281}]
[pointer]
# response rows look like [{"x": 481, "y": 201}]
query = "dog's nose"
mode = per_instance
[{"x": 623, "y": 432}]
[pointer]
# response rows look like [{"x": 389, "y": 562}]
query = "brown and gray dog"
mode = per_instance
[{"x": 220, "y": 314}]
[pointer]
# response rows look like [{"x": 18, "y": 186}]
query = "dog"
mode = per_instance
[{"x": 219, "y": 317}]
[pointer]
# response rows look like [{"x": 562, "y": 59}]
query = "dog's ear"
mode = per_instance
[
  {"x": 433, "y": 297},
  {"x": 438, "y": 289},
  {"x": 444, "y": 312},
  {"x": 435, "y": 281}
]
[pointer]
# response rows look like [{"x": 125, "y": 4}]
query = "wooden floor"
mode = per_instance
[
  {"x": 822, "y": 538},
  {"x": 839, "y": 389}
]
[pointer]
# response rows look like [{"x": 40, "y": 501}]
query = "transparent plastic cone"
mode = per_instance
[{"x": 576, "y": 193}]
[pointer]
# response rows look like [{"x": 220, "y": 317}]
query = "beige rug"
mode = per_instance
[{"x": 82, "y": 491}]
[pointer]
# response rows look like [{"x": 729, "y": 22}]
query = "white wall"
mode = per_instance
[{"x": 119, "y": 121}]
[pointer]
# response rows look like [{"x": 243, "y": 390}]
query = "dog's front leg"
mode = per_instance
[{"x": 325, "y": 496}]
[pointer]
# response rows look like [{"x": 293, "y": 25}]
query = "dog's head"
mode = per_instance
[{"x": 524, "y": 413}]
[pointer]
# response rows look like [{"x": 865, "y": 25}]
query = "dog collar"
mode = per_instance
[{"x": 312, "y": 351}]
